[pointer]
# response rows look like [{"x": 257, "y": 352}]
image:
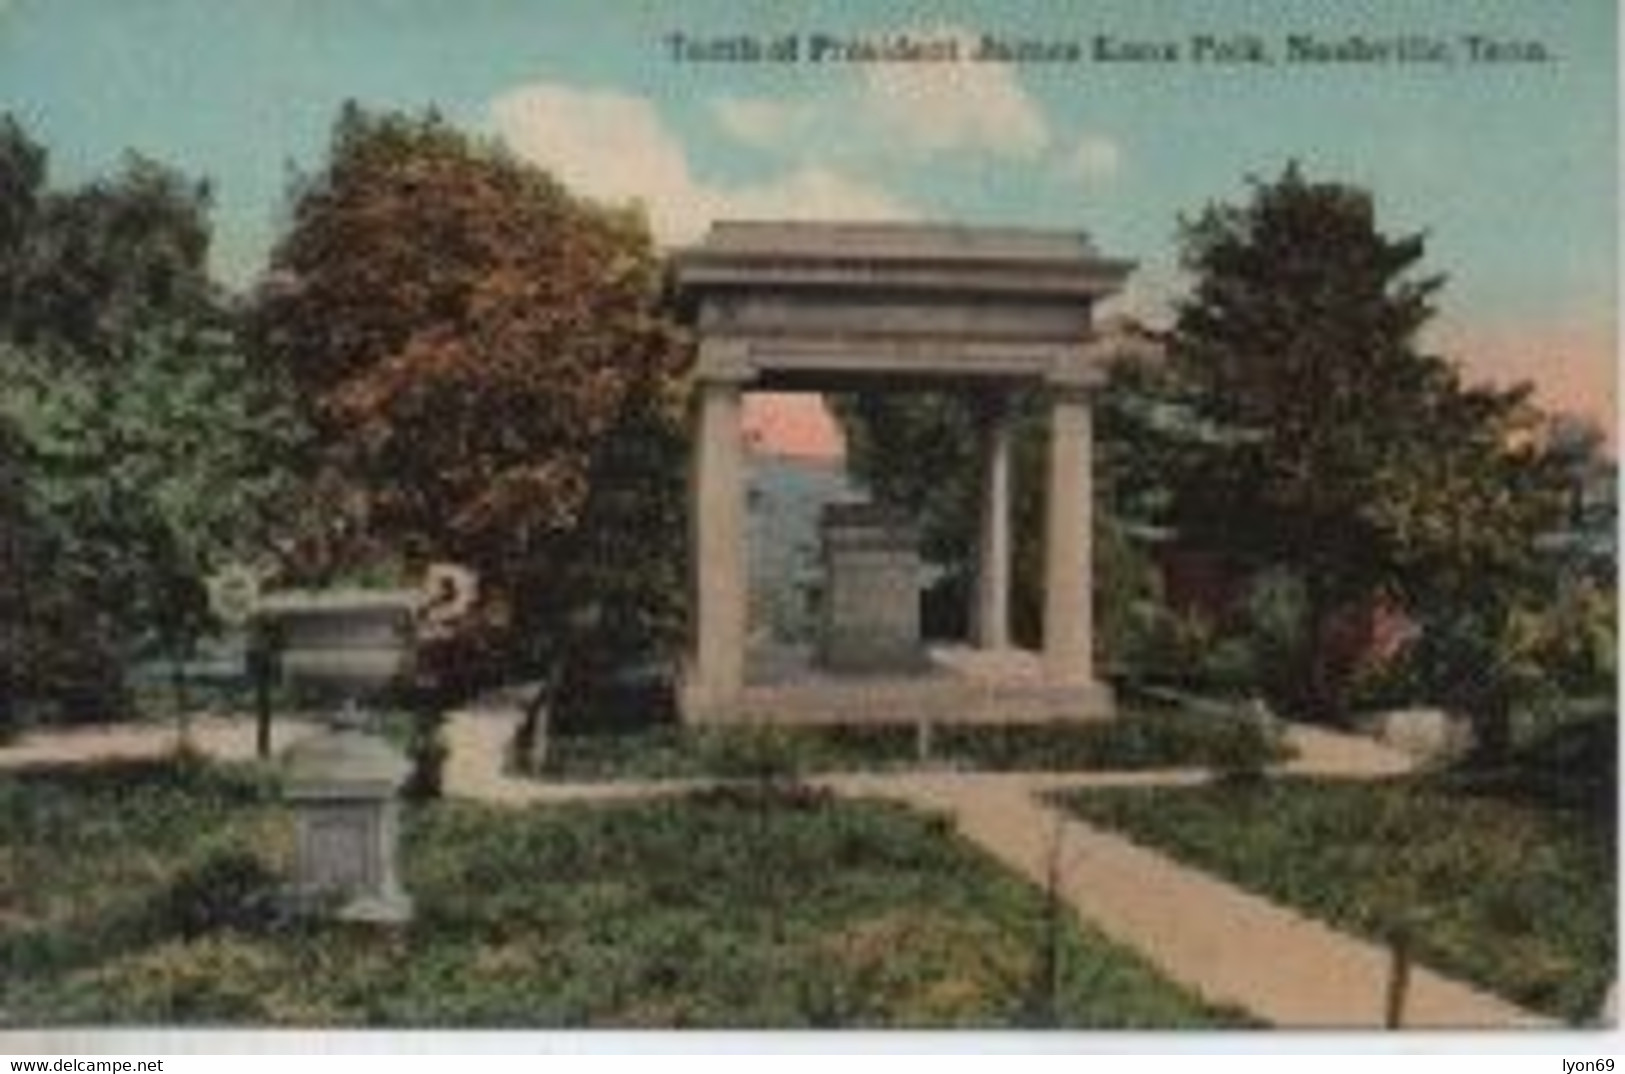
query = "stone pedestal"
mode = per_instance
[
  {"x": 342, "y": 785},
  {"x": 871, "y": 613}
]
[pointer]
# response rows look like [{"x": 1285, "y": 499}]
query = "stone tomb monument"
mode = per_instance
[
  {"x": 899, "y": 307},
  {"x": 870, "y": 619}
]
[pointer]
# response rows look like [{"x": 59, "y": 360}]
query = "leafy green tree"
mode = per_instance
[
  {"x": 1350, "y": 456},
  {"x": 145, "y": 449},
  {"x": 470, "y": 341},
  {"x": 151, "y": 478},
  {"x": 16, "y": 548},
  {"x": 22, "y": 184},
  {"x": 1301, "y": 433}
]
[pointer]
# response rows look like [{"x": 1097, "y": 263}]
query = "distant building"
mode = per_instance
[{"x": 784, "y": 496}]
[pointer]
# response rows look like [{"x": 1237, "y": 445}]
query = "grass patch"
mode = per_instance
[
  {"x": 1502, "y": 881},
  {"x": 1138, "y": 739},
  {"x": 138, "y": 894}
]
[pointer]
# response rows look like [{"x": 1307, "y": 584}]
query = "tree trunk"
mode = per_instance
[
  {"x": 179, "y": 654},
  {"x": 1492, "y": 727},
  {"x": 261, "y": 669},
  {"x": 1321, "y": 696},
  {"x": 530, "y": 740}
]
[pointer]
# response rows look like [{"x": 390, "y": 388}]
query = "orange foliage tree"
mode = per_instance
[{"x": 475, "y": 345}]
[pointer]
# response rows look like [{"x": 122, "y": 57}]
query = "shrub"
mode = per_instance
[
  {"x": 1170, "y": 735},
  {"x": 766, "y": 754},
  {"x": 229, "y": 888},
  {"x": 1243, "y": 745},
  {"x": 1172, "y": 645}
]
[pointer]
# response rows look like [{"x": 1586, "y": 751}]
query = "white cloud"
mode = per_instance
[
  {"x": 1094, "y": 159},
  {"x": 900, "y": 110},
  {"x": 884, "y": 118},
  {"x": 761, "y": 122},
  {"x": 948, "y": 107},
  {"x": 614, "y": 146},
  {"x": 810, "y": 193}
]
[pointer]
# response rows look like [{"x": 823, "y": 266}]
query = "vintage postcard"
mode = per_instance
[{"x": 1061, "y": 517}]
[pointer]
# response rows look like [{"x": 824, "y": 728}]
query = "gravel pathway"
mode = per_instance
[{"x": 229, "y": 738}]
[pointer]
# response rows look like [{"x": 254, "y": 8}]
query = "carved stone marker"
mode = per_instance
[
  {"x": 342, "y": 784},
  {"x": 871, "y": 615}
]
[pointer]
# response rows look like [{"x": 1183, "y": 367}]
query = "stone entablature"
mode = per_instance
[
  {"x": 907, "y": 255},
  {"x": 837, "y": 363},
  {"x": 954, "y": 316},
  {"x": 893, "y": 299}
]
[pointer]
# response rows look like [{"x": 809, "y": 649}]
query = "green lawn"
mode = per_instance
[
  {"x": 1507, "y": 880},
  {"x": 138, "y": 894},
  {"x": 1138, "y": 739}
]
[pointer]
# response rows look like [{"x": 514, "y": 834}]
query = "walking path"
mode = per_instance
[
  {"x": 229, "y": 738},
  {"x": 1227, "y": 944}
]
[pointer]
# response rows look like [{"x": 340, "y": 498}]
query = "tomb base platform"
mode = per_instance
[{"x": 958, "y": 685}]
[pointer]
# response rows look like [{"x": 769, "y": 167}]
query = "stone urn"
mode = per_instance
[
  {"x": 343, "y": 782},
  {"x": 351, "y": 643}
]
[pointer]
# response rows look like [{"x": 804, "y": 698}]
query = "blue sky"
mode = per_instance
[{"x": 1512, "y": 168}]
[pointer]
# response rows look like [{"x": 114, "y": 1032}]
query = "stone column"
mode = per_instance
[
  {"x": 717, "y": 522},
  {"x": 991, "y": 612},
  {"x": 1068, "y": 569}
]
